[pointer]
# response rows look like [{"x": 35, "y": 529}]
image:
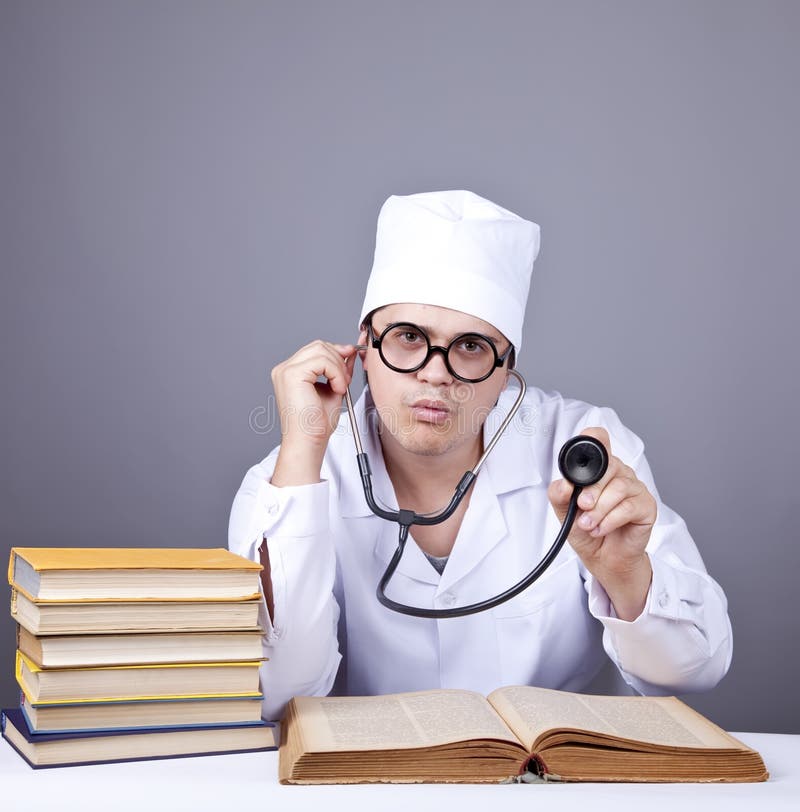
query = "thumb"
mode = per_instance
[
  {"x": 559, "y": 493},
  {"x": 349, "y": 365}
]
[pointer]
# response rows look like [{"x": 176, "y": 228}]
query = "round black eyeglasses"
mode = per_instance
[{"x": 405, "y": 347}]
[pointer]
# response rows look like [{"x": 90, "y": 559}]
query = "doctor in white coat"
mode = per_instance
[{"x": 446, "y": 299}]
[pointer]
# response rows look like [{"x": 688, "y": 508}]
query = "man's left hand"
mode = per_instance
[{"x": 612, "y": 529}]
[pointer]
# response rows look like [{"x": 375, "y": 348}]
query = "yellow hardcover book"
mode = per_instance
[
  {"x": 94, "y": 574},
  {"x": 47, "y": 686}
]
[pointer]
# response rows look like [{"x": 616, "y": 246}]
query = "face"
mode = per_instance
[{"x": 430, "y": 412}]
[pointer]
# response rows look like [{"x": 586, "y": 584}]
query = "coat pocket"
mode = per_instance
[
  {"x": 546, "y": 636},
  {"x": 555, "y": 582}
]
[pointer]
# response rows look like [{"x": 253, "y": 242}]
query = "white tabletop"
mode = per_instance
[{"x": 248, "y": 783}]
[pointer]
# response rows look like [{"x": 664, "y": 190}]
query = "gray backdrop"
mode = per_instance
[{"x": 189, "y": 193}]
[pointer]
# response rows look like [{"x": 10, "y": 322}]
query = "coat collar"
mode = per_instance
[{"x": 511, "y": 465}]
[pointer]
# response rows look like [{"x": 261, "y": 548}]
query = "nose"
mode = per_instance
[{"x": 435, "y": 371}]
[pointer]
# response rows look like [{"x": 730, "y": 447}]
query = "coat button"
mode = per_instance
[
  {"x": 663, "y": 600},
  {"x": 448, "y": 599},
  {"x": 272, "y": 508}
]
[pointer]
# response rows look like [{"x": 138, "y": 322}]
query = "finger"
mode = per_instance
[
  {"x": 345, "y": 350},
  {"x": 617, "y": 490},
  {"x": 634, "y": 510},
  {"x": 600, "y": 497},
  {"x": 327, "y": 360},
  {"x": 309, "y": 371},
  {"x": 319, "y": 346},
  {"x": 590, "y": 494},
  {"x": 340, "y": 381},
  {"x": 337, "y": 350},
  {"x": 599, "y": 433}
]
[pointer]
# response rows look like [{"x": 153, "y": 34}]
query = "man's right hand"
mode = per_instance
[{"x": 308, "y": 408}]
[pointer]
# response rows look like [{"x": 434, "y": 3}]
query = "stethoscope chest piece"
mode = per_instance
[{"x": 583, "y": 460}]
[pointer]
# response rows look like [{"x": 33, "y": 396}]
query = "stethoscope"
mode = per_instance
[{"x": 582, "y": 462}]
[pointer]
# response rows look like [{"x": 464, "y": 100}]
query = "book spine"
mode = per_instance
[{"x": 11, "y": 563}]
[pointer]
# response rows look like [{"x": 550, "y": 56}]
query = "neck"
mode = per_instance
[{"x": 427, "y": 482}]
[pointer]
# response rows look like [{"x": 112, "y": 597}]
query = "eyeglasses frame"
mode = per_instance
[{"x": 376, "y": 343}]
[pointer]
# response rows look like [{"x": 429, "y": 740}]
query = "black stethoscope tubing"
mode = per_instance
[{"x": 584, "y": 469}]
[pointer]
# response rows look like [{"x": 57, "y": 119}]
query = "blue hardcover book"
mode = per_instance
[{"x": 70, "y": 749}]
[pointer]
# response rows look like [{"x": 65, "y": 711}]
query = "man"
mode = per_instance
[{"x": 442, "y": 326}]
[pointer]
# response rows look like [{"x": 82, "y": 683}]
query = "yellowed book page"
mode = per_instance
[
  {"x": 665, "y": 721},
  {"x": 29, "y": 644},
  {"x": 397, "y": 721}
]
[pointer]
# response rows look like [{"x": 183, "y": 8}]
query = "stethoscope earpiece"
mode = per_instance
[{"x": 583, "y": 460}]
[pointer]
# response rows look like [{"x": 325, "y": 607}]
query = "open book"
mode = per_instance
[{"x": 517, "y": 733}]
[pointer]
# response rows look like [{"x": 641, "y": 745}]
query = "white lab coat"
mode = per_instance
[{"x": 328, "y": 551}]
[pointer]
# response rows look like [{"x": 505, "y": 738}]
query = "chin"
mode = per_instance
[
  {"x": 428, "y": 442},
  {"x": 427, "y": 449}
]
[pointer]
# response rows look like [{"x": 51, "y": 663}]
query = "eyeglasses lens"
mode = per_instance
[{"x": 405, "y": 348}]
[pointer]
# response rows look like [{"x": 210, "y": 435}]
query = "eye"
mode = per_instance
[
  {"x": 472, "y": 345},
  {"x": 408, "y": 336}
]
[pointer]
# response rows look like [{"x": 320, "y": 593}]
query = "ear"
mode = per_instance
[{"x": 363, "y": 338}]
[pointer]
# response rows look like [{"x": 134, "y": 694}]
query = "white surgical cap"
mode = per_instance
[{"x": 456, "y": 250}]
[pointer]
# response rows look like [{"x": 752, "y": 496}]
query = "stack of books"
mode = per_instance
[{"x": 127, "y": 654}]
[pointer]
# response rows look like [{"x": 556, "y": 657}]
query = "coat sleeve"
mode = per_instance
[
  {"x": 682, "y": 641},
  {"x": 294, "y": 523}
]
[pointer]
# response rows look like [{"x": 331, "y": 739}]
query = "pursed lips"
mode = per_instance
[{"x": 430, "y": 411}]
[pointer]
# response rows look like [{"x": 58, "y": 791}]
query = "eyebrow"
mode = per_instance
[{"x": 428, "y": 330}]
